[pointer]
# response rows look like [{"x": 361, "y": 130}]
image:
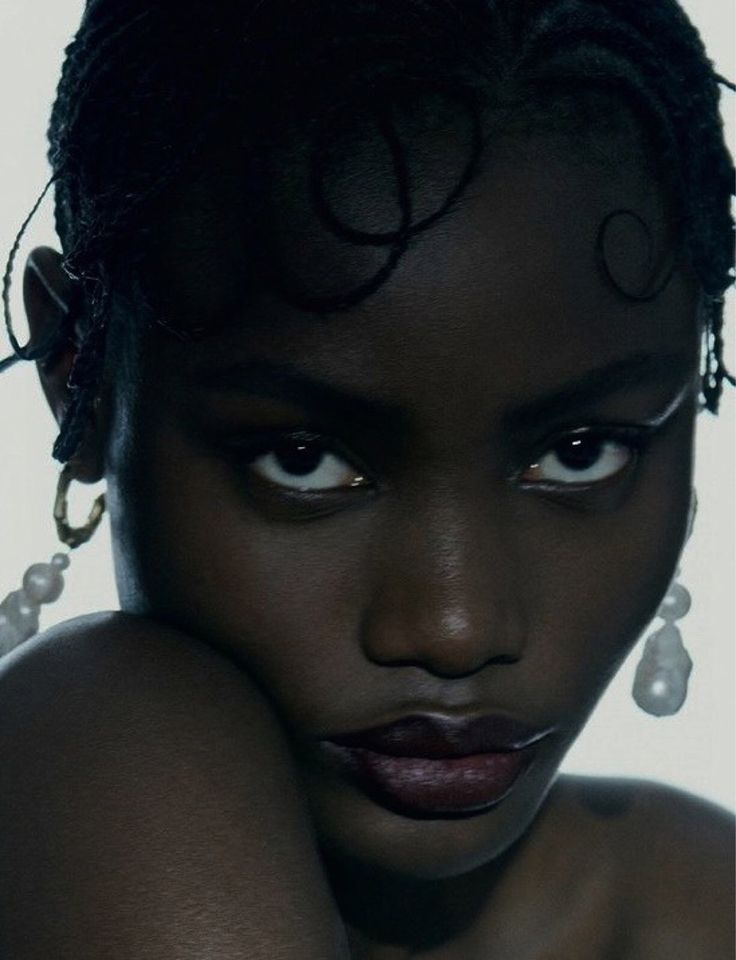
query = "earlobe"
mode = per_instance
[{"x": 53, "y": 304}]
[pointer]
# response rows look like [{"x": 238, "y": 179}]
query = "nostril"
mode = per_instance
[{"x": 441, "y": 661}]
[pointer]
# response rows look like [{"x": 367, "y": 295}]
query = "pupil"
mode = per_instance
[
  {"x": 298, "y": 458},
  {"x": 580, "y": 453}
]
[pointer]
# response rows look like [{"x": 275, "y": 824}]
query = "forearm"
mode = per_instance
[{"x": 150, "y": 810}]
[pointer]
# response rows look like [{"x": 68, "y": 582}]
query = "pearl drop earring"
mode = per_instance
[
  {"x": 44, "y": 582},
  {"x": 660, "y": 682}
]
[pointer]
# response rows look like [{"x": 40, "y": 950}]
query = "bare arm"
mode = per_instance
[{"x": 149, "y": 809}]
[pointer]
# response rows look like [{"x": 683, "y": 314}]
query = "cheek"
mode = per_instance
[
  {"x": 598, "y": 584},
  {"x": 282, "y": 598},
  {"x": 289, "y": 599}
]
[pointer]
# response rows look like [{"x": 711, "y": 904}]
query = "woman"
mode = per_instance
[{"x": 382, "y": 322}]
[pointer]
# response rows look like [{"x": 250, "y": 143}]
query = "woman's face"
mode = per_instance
[{"x": 465, "y": 496}]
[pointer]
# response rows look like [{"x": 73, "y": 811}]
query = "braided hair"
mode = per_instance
[{"x": 145, "y": 88}]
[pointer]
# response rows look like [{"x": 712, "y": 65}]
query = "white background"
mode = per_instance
[{"x": 694, "y": 750}]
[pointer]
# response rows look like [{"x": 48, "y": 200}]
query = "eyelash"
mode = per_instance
[
  {"x": 267, "y": 444},
  {"x": 633, "y": 438}
]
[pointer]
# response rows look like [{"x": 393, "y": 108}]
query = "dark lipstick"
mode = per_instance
[{"x": 431, "y": 764}]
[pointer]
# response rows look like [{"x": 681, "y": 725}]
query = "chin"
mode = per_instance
[{"x": 352, "y": 826}]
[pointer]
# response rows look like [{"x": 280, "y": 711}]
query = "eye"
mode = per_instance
[
  {"x": 305, "y": 464},
  {"x": 584, "y": 457}
]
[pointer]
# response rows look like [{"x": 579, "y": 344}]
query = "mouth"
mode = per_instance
[{"x": 435, "y": 766}]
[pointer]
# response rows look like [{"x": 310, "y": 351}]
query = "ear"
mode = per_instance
[{"x": 53, "y": 303}]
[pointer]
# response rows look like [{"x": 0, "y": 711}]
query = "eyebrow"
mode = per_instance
[
  {"x": 595, "y": 386},
  {"x": 286, "y": 382}
]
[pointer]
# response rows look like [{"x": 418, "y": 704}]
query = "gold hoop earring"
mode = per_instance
[
  {"x": 44, "y": 582},
  {"x": 74, "y": 537}
]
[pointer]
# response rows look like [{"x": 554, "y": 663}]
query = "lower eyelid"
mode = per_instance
[
  {"x": 571, "y": 487},
  {"x": 308, "y": 499},
  {"x": 634, "y": 439}
]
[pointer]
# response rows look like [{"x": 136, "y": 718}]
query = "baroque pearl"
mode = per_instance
[
  {"x": 43, "y": 583},
  {"x": 660, "y": 683},
  {"x": 19, "y": 611},
  {"x": 10, "y": 635},
  {"x": 19, "y": 606},
  {"x": 676, "y": 603}
]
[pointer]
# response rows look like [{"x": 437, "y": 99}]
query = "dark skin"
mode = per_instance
[{"x": 451, "y": 568}]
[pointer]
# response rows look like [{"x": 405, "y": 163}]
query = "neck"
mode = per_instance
[{"x": 391, "y": 916}]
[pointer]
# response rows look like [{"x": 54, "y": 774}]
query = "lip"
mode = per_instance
[
  {"x": 429, "y": 765},
  {"x": 434, "y": 736}
]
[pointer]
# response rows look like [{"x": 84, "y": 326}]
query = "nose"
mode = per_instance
[{"x": 448, "y": 590}]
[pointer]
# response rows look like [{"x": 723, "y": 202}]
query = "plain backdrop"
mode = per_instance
[{"x": 694, "y": 750}]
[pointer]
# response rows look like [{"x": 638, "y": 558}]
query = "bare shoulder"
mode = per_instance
[
  {"x": 113, "y": 705},
  {"x": 120, "y": 649},
  {"x": 141, "y": 772},
  {"x": 674, "y": 862},
  {"x": 115, "y": 685}
]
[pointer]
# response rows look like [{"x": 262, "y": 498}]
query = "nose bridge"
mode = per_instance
[{"x": 446, "y": 594}]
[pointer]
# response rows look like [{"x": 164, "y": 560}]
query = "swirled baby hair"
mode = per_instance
[{"x": 148, "y": 90}]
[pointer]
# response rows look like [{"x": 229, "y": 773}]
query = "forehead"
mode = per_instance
[{"x": 510, "y": 281}]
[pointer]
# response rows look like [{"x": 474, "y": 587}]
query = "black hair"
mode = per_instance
[{"x": 146, "y": 88}]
